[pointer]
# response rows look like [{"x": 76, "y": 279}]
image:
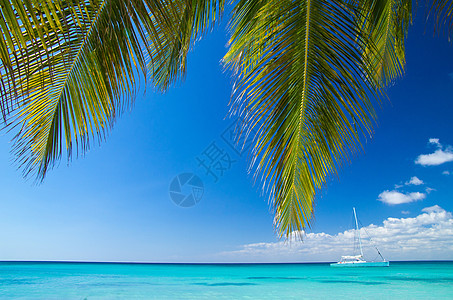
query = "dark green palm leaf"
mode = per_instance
[
  {"x": 442, "y": 11},
  {"x": 385, "y": 22}
]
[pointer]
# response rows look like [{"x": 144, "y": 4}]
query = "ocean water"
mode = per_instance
[{"x": 402, "y": 280}]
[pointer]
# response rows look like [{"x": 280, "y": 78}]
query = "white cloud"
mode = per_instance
[
  {"x": 427, "y": 236},
  {"x": 436, "y": 158},
  {"x": 433, "y": 209},
  {"x": 435, "y": 142},
  {"x": 405, "y": 212},
  {"x": 395, "y": 197},
  {"x": 429, "y": 190},
  {"x": 446, "y": 172},
  {"x": 414, "y": 181}
]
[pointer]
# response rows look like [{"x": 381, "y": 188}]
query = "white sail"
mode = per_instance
[
  {"x": 358, "y": 231},
  {"x": 358, "y": 260}
]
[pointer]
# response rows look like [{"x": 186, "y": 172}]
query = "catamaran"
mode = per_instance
[{"x": 358, "y": 260}]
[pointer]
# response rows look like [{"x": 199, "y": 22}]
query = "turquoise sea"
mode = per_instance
[{"x": 62, "y": 280}]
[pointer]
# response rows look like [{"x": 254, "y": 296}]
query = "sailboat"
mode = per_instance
[{"x": 358, "y": 260}]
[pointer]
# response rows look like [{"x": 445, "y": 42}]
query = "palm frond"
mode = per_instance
[
  {"x": 442, "y": 11},
  {"x": 303, "y": 88},
  {"x": 69, "y": 68},
  {"x": 195, "y": 18},
  {"x": 385, "y": 22}
]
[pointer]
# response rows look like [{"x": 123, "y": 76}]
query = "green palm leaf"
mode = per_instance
[
  {"x": 385, "y": 22},
  {"x": 303, "y": 88},
  {"x": 69, "y": 68},
  {"x": 195, "y": 17}
]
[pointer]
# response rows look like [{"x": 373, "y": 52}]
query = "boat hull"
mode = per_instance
[{"x": 361, "y": 264}]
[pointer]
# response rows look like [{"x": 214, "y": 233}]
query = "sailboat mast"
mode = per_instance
[{"x": 358, "y": 231}]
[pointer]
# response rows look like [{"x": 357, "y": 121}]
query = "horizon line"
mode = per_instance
[{"x": 193, "y": 263}]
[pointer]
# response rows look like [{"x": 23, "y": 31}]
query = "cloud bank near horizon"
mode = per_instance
[{"x": 428, "y": 236}]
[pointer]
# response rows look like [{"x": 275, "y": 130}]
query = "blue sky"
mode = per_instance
[{"x": 114, "y": 204}]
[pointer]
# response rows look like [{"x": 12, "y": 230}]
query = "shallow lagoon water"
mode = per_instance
[{"x": 48, "y": 280}]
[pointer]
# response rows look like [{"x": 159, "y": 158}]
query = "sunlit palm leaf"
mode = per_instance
[
  {"x": 303, "y": 89},
  {"x": 70, "y": 68}
]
